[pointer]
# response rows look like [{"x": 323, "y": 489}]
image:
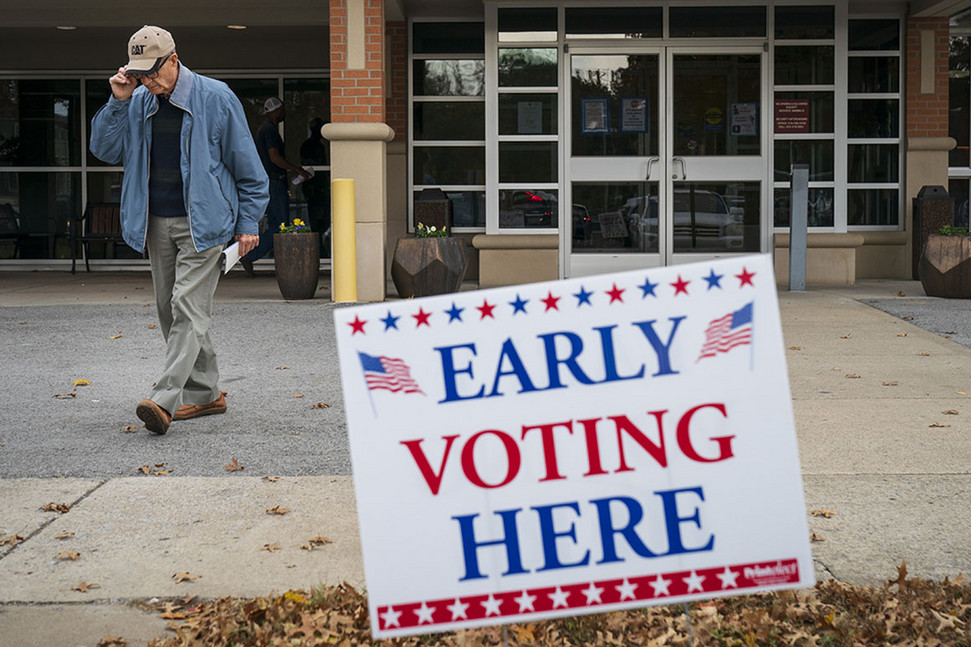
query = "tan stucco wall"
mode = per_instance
[{"x": 513, "y": 259}]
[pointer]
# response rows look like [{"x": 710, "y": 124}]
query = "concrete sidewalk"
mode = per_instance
[{"x": 869, "y": 391}]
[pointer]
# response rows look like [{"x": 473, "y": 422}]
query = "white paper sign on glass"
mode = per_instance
[{"x": 576, "y": 446}]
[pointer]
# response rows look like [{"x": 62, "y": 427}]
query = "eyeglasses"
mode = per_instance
[{"x": 151, "y": 76}]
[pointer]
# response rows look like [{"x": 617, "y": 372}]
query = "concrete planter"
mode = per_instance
[
  {"x": 426, "y": 266},
  {"x": 945, "y": 267},
  {"x": 296, "y": 258}
]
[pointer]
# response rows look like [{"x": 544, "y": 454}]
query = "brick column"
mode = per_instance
[
  {"x": 396, "y": 103},
  {"x": 358, "y": 132}
]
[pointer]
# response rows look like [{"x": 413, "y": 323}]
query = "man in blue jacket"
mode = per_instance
[{"x": 193, "y": 182}]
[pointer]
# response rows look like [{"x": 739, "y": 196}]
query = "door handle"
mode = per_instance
[
  {"x": 684, "y": 168},
  {"x": 650, "y": 163}
]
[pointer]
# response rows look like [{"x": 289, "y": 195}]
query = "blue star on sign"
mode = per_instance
[
  {"x": 583, "y": 297},
  {"x": 454, "y": 313},
  {"x": 390, "y": 322},
  {"x": 648, "y": 288},
  {"x": 519, "y": 305},
  {"x": 713, "y": 280}
]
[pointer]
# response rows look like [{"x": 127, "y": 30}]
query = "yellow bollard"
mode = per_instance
[{"x": 344, "y": 265}]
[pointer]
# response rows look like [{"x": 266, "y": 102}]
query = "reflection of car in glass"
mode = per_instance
[
  {"x": 539, "y": 208},
  {"x": 582, "y": 223},
  {"x": 702, "y": 220}
]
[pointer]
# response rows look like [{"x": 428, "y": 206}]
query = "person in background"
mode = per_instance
[
  {"x": 316, "y": 190},
  {"x": 193, "y": 181},
  {"x": 269, "y": 144}
]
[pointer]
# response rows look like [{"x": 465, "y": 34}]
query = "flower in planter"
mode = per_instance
[
  {"x": 950, "y": 230},
  {"x": 297, "y": 227},
  {"x": 430, "y": 232}
]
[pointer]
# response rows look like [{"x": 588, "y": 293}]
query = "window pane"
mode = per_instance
[
  {"x": 873, "y": 118},
  {"x": 527, "y": 162},
  {"x": 449, "y": 120},
  {"x": 716, "y": 217},
  {"x": 820, "y": 106},
  {"x": 308, "y": 107},
  {"x": 527, "y": 114},
  {"x": 614, "y": 22},
  {"x": 804, "y": 22},
  {"x": 873, "y": 163},
  {"x": 872, "y": 207},
  {"x": 804, "y": 65},
  {"x": 530, "y": 25},
  {"x": 97, "y": 92},
  {"x": 468, "y": 207},
  {"x": 252, "y": 93},
  {"x": 606, "y": 83},
  {"x": 449, "y": 78},
  {"x": 527, "y": 67},
  {"x": 43, "y": 204},
  {"x": 820, "y": 212},
  {"x": 449, "y": 165},
  {"x": 817, "y": 154},
  {"x": 40, "y": 123},
  {"x": 536, "y": 209},
  {"x": 448, "y": 37},
  {"x": 959, "y": 115},
  {"x": 882, "y": 34},
  {"x": 874, "y": 74},
  {"x": 615, "y": 217},
  {"x": 958, "y": 189},
  {"x": 716, "y": 22},
  {"x": 106, "y": 187}
]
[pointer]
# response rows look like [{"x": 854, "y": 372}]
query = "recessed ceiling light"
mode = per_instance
[
  {"x": 236, "y": 26},
  {"x": 66, "y": 27}
]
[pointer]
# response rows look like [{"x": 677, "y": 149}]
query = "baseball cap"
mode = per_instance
[
  {"x": 147, "y": 49},
  {"x": 271, "y": 104}
]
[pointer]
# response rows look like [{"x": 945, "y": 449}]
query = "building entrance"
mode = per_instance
[{"x": 665, "y": 157}]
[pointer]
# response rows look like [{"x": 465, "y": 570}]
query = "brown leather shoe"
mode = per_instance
[
  {"x": 156, "y": 419},
  {"x": 187, "y": 411}
]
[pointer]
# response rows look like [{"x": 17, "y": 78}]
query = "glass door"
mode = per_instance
[
  {"x": 615, "y": 162},
  {"x": 716, "y": 169},
  {"x": 665, "y": 157}
]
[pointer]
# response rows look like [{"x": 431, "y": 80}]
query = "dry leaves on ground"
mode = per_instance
[
  {"x": 822, "y": 512},
  {"x": 11, "y": 541},
  {"x": 55, "y": 507},
  {"x": 937, "y": 425},
  {"x": 320, "y": 405},
  {"x": 271, "y": 548},
  {"x": 84, "y": 587},
  {"x": 112, "y": 641},
  {"x": 157, "y": 470},
  {"x": 905, "y": 612},
  {"x": 278, "y": 510},
  {"x": 950, "y": 412},
  {"x": 184, "y": 577},
  {"x": 130, "y": 429},
  {"x": 853, "y": 376},
  {"x": 234, "y": 466},
  {"x": 81, "y": 382},
  {"x": 314, "y": 542},
  {"x": 68, "y": 555},
  {"x": 64, "y": 534},
  {"x": 271, "y": 479}
]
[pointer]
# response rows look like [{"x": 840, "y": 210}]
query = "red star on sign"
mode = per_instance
[
  {"x": 680, "y": 286},
  {"x": 486, "y": 309},
  {"x": 357, "y": 325},
  {"x": 550, "y": 302},
  {"x": 422, "y": 318},
  {"x": 615, "y": 294},
  {"x": 745, "y": 278}
]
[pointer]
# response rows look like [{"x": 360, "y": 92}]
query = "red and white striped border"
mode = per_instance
[{"x": 586, "y": 596}]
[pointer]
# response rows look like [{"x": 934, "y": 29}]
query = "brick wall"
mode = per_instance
[
  {"x": 927, "y": 114},
  {"x": 357, "y": 95},
  {"x": 396, "y": 104}
]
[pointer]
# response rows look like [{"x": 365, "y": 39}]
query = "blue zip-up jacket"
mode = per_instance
[{"x": 223, "y": 181}]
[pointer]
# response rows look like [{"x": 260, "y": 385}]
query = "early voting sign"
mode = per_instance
[{"x": 573, "y": 447}]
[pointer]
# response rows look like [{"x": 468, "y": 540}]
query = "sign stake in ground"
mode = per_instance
[{"x": 573, "y": 447}]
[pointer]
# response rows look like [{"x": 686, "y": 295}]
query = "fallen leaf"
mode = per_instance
[
  {"x": 172, "y": 611},
  {"x": 112, "y": 641},
  {"x": 901, "y": 334},
  {"x": 908, "y": 318},
  {"x": 68, "y": 555},
  {"x": 55, "y": 507},
  {"x": 889, "y": 384},
  {"x": 82, "y": 383},
  {"x": 278, "y": 510},
  {"x": 116, "y": 337},
  {"x": 822, "y": 512},
  {"x": 795, "y": 348},
  {"x": 815, "y": 537},
  {"x": 298, "y": 395},
  {"x": 925, "y": 354},
  {"x": 282, "y": 368},
  {"x": 901, "y": 293},
  {"x": 184, "y": 577},
  {"x": 320, "y": 405},
  {"x": 844, "y": 336},
  {"x": 159, "y": 464},
  {"x": 130, "y": 429},
  {"x": 64, "y": 534},
  {"x": 938, "y": 425},
  {"x": 234, "y": 466},
  {"x": 960, "y": 393},
  {"x": 152, "y": 326},
  {"x": 65, "y": 396},
  {"x": 837, "y": 368},
  {"x": 901, "y": 580},
  {"x": 83, "y": 587},
  {"x": 852, "y": 376},
  {"x": 950, "y": 412},
  {"x": 271, "y": 479},
  {"x": 271, "y": 548},
  {"x": 950, "y": 332},
  {"x": 11, "y": 541},
  {"x": 162, "y": 472},
  {"x": 145, "y": 469}
]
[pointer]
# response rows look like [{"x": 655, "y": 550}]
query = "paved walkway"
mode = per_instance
[{"x": 870, "y": 394}]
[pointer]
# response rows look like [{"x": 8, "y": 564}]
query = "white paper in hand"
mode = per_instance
[{"x": 229, "y": 257}]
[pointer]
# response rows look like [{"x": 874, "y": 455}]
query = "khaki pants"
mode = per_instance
[{"x": 185, "y": 281}]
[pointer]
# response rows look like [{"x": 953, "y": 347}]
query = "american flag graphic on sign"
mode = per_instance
[
  {"x": 725, "y": 333},
  {"x": 387, "y": 373}
]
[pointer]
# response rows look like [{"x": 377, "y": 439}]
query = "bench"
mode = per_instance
[{"x": 100, "y": 223}]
